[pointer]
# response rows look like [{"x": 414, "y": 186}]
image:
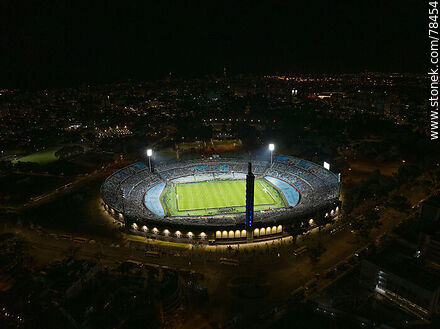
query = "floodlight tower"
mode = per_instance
[
  {"x": 149, "y": 154},
  {"x": 271, "y": 148}
]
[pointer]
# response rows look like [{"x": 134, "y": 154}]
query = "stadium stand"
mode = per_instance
[{"x": 135, "y": 192}]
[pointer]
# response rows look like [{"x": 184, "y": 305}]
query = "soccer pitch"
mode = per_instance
[
  {"x": 207, "y": 198},
  {"x": 42, "y": 157}
]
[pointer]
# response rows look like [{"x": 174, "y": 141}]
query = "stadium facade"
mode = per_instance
[{"x": 148, "y": 202}]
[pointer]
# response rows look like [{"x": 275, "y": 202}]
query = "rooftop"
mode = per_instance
[{"x": 401, "y": 261}]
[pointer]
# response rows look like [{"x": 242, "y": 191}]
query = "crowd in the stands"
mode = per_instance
[{"x": 124, "y": 190}]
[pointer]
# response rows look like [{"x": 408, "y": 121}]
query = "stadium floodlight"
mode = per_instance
[
  {"x": 271, "y": 148},
  {"x": 149, "y": 154},
  {"x": 327, "y": 165}
]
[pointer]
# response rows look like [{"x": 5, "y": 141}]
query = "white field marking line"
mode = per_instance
[{"x": 265, "y": 190}]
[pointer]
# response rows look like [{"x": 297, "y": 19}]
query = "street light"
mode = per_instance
[
  {"x": 271, "y": 148},
  {"x": 149, "y": 154}
]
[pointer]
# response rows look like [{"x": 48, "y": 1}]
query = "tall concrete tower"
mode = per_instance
[{"x": 250, "y": 180}]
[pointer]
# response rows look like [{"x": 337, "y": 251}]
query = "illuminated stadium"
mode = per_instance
[{"x": 204, "y": 200}]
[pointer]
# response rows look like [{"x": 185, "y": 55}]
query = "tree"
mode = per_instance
[
  {"x": 433, "y": 180},
  {"x": 72, "y": 251},
  {"x": 27, "y": 166},
  {"x": 69, "y": 151},
  {"x": 365, "y": 218},
  {"x": 315, "y": 251},
  {"x": 407, "y": 173},
  {"x": 399, "y": 202},
  {"x": 98, "y": 256},
  {"x": 315, "y": 248}
]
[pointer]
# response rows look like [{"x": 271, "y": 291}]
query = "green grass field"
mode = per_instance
[
  {"x": 42, "y": 158},
  {"x": 206, "y": 198}
]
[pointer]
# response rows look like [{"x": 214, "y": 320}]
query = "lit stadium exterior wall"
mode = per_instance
[{"x": 122, "y": 194}]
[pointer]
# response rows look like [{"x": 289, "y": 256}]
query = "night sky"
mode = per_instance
[{"x": 52, "y": 43}]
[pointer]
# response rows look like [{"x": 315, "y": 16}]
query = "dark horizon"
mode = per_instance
[{"x": 58, "y": 45}]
